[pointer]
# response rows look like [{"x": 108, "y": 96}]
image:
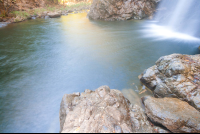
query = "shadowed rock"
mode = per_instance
[{"x": 176, "y": 115}]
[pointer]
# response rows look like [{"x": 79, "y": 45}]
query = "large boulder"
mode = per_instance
[
  {"x": 176, "y": 115},
  {"x": 54, "y": 14},
  {"x": 102, "y": 110},
  {"x": 176, "y": 76},
  {"x": 122, "y": 9}
]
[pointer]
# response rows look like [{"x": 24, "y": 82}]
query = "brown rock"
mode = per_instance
[
  {"x": 176, "y": 76},
  {"x": 122, "y": 9},
  {"x": 103, "y": 110},
  {"x": 176, "y": 115},
  {"x": 54, "y": 15}
]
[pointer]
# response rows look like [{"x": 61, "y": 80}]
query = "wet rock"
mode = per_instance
[
  {"x": 54, "y": 15},
  {"x": 102, "y": 110},
  {"x": 46, "y": 17},
  {"x": 33, "y": 18},
  {"x": 122, "y": 9},
  {"x": 176, "y": 115},
  {"x": 176, "y": 76}
]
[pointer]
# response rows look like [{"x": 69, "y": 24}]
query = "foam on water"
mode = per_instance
[{"x": 178, "y": 19}]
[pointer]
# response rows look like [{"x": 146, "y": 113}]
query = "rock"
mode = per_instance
[
  {"x": 122, "y": 9},
  {"x": 33, "y": 18},
  {"x": 54, "y": 15},
  {"x": 176, "y": 76},
  {"x": 102, "y": 110},
  {"x": 1, "y": 19},
  {"x": 69, "y": 11},
  {"x": 176, "y": 115},
  {"x": 46, "y": 17}
]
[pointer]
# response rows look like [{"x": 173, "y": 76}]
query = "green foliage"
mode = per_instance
[
  {"x": 38, "y": 11},
  {"x": 22, "y": 14},
  {"x": 78, "y": 5},
  {"x": 51, "y": 8}
]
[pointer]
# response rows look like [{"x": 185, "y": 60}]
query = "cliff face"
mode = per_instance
[{"x": 122, "y": 9}]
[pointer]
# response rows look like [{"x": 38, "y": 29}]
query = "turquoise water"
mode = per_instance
[{"x": 41, "y": 60}]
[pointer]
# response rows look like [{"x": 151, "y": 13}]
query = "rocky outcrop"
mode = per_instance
[
  {"x": 102, "y": 110},
  {"x": 176, "y": 76},
  {"x": 176, "y": 115},
  {"x": 122, "y": 9}
]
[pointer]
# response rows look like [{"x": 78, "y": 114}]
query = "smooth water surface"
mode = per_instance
[{"x": 41, "y": 60}]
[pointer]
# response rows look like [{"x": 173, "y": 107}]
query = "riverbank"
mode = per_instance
[{"x": 45, "y": 12}]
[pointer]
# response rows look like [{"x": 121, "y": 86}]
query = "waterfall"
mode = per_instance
[{"x": 178, "y": 18}]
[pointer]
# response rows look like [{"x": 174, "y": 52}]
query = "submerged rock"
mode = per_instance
[
  {"x": 122, "y": 9},
  {"x": 103, "y": 110},
  {"x": 176, "y": 76},
  {"x": 176, "y": 115}
]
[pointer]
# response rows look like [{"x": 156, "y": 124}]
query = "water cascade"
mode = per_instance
[{"x": 177, "y": 19}]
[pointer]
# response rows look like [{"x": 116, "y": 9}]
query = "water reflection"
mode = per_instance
[{"x": 41, "y": 60}]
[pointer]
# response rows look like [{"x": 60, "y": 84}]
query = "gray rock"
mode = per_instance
[
  {"x": 69, "y": 11},
  {"x": 33, "y": 18},
  {"x": 122, "y": 9},
  {"x": 46, "y": 17},
  {"x": 102, "y": 110},
  {"x": 54, "y": 15},
  {"x": 176, "y": 76},
  {"x": 176, "y": 115}
]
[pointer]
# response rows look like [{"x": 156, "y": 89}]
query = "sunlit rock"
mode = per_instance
[
  {"x": 54, "y": 14},
  {"x": 102, "y": 110},
  {"x": 176, "y": 76},
  {"x": 122, "y": 9},
  {"x": 176, "y": 115}
]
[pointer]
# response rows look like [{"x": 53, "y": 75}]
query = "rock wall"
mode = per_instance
[{"x": 122, "y": 9}]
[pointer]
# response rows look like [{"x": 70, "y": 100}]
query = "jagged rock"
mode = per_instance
[
  {"x": 176, "y": 76},
  {"x": 176, "y": 115},
  {"x": 103, "y": 110},
  {"x": 54, "y": 15},
  {"x": 122, "y": 9}
]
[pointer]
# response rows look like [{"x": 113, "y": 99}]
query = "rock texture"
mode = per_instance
[
  {"x": 176, "y": 76},
  {"x": 176, "y": 115},
  {"x": 103, "y": 110},
  {"x": 122, "y": 9}
]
